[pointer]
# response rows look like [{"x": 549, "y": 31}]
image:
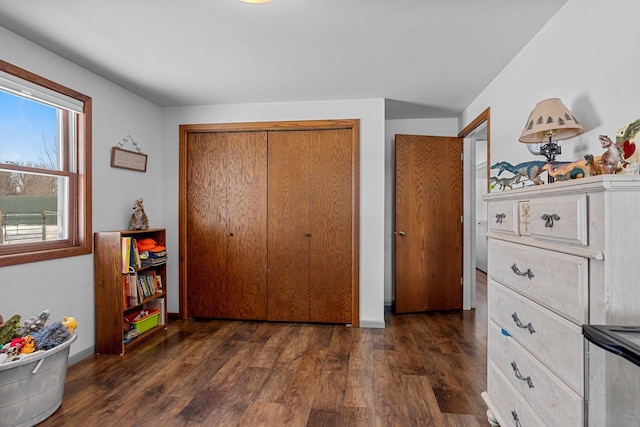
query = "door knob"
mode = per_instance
[
  {"x": 402, "y": 233},
  {"x": 307, "y": 234}
]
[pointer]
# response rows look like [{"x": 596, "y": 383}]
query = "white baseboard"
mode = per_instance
[
  {"x": 374, "y": 324},
  {"x": 83, "y": 354}
]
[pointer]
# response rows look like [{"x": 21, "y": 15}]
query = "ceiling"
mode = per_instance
[{"x": 427, "y": 58}]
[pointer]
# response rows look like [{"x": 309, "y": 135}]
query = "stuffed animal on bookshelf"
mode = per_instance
[{"x": 139, "y": 220}]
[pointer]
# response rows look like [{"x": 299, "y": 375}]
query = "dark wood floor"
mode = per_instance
[{"x": 421, "y": 370}]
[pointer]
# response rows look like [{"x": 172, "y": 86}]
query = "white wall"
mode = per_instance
[
  {"x": 65, "y": 286},
  {"x": 432, "y": 127},
  {"x": 372, "y": 197},
  {"x": 585, "y": 56}
]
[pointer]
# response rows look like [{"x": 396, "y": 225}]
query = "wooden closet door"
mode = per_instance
[
  {"x": 207, "y": 225},
  {"x": 288, "y": 226},
  {"x": 247, "y": 219},
  {"x": 331, "y": 216},
  {"x": 226, "y": 225}
]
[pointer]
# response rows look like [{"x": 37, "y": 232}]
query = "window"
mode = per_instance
[{"x": 45, "y": 168}]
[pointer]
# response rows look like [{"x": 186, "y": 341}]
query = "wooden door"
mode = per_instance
[
  {"x": 310, "y": 226},
  {"x": 428, "y": 223},
  {"x": 330, "y": 217},
  {"x": 288, "y": 226},
  {"x": 207, "y": 225},
  {"x": 226, "y": 225},
  {"x": 247, "y": 219}
]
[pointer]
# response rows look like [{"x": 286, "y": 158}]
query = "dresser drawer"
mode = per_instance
[
  {"x": 511, "y": 407},
  {"x": 551, "y": 398},
  {"x": 503, "y": 217},
  {"x": 553, "y": 340},
  {"x": 556, "y": 280},
  {"x": 559, "y": 219}
]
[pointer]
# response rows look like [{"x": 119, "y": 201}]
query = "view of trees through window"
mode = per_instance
[{"x": 30, "y": 150}]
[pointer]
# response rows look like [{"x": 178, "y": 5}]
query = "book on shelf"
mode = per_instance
[
  {"x": 130, "y": 290},
  {"x": 158, "y": 280},
  {"x": 130, "y": 255},
  {"x": 137, "y": 262},
  {"x": 146, "y": 284},
  {"x": 125, "y": 246}
]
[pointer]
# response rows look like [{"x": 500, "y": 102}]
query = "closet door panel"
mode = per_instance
[
  {"x": 247, "y": 233},
  {"x": 288, "y": 226},
  {"x": 207, "y": 225},
  {"x": 331, "y": 226}
]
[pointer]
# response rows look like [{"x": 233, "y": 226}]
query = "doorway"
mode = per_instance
[
  {"x": 477, "y": 149},
  {"x": 428, "y": 236}
]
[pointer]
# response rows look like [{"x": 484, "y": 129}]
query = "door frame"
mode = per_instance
[
  {"x": 351, "y": 124},
  {"x": 469, "y": 228}
]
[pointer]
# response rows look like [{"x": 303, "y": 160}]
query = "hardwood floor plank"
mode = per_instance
[
  {"x": 361, "y": 357},
  {"x": 421, "y": 401},
  {"x": 360, "y": 389},
  {"x": 164, "y": 412},
  {"x": 424, "y": 369},
  {"x": 358, "y": 417},
  {"x": 200, "y": 407},
  {"x": 329, "y": 395},
  {"x": 276, "y": 385},
  {"x": 261, "y": 414}
]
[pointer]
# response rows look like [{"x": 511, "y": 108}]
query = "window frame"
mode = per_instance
[{"x": 79, "y": 241}]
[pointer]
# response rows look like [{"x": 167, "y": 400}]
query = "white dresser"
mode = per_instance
[{"x": 560, "y": 255}]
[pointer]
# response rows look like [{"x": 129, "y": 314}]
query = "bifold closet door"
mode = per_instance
[
  {"x": 288, "y": 226},
  {"x": 310, "y": 217},
  {"x": 331, "y": 216},
  {"x": 226, "y": 225}
]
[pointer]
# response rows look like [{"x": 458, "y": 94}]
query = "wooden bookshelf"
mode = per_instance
[{"x": 111, "y": 308}]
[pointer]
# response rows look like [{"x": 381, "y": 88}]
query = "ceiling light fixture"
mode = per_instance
[{"x": 255, "y": 1}]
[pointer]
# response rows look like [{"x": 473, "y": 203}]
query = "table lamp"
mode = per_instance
[{"x": 549, "y": 121}]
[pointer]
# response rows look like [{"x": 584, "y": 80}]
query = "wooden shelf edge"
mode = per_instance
[{"x": 144, "y": 337}]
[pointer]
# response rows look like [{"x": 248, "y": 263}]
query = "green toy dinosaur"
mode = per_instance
[
  {"x": 10, "y": 329},
  {"x": 503, "y": 183}
]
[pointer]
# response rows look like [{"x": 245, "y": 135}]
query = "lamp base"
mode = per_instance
[{"x": 550, "y": 150}]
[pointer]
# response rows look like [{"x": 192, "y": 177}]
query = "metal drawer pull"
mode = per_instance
[
  {"x": 519, "y": 324},
  {"x": 514, "y": 414},
  {"x": 527, "y": 273},
  {"x": 549, "y": 218},
  {"x": 519, "y": 376},
  {"x": 500, "y": 217}
]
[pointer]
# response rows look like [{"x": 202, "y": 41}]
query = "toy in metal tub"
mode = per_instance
[{"x": 31, "y": 388}]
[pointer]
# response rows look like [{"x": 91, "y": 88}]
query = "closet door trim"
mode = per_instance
[{"x": 351, "y": 124}]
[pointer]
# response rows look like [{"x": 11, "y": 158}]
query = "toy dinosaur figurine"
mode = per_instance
[
  {"x": 10, "y": 329},
  {"x": 625, "y": 133},
  {"x": 572, "y": 170},
  {"x": 528, "y": 170},
  {"x": 593, "y": 163},
  {"x": 503, "y": 183},
  {"x": 611, "y": 159}
]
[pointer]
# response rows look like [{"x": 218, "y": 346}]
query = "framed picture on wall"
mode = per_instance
[{"x": 126, "y": 159}]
